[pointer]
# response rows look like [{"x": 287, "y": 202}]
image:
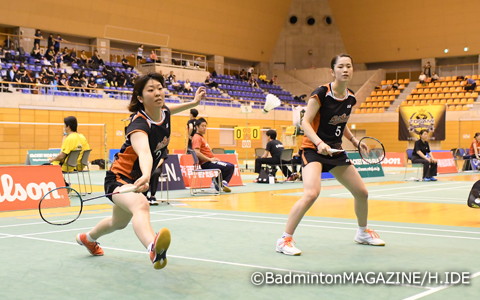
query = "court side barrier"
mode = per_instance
[
  {"x": 394, "y": 159},
  {"x": 446, "y": 162},
  {"x": 40, "y": 157},
  {"x": 22, "y": 187},
  {"x": 186, "y": 163}
]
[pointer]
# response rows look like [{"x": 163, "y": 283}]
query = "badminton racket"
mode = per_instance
[
  {"x": 370, "y": 149},
  {"x": 67, "y": 215}
]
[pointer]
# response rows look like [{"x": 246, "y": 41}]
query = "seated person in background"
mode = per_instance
[
  {"x": 177, "y": 86},
  {"x": 273, "y": 80},
  {"x": 125, "y": 63},
  {"x": 395, "y": 85},
  {"x": 272, "y": 154},
  {"x": 470, "y": 85},
  {"x": 187, "y": 86},
  {"x": 243, "y": 75},
  {"x": 435, "y": 77},
  {"x": 422, "y": 155},
  {"x": 475, "y": 147},
  {"x": 210, "y": 82},
  {"x": 206, "y": 158},
  {"x": 422, "y": 78},
  {"x": 72, "y": 141},
  {"x": 263, "y": 78},
  {"x": 154, "y": 57}
]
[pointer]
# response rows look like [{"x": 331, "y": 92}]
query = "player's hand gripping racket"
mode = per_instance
[
  {"x": 69, "y": 214},
  {"x": 370, "y": 149}
]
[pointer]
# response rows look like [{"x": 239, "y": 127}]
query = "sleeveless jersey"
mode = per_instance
[
  {"x": 331, "y": 118},
  {"x": 126, "y": 161}
]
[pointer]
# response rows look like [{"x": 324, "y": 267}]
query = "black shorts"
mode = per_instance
[
  {"x": 328, "y": 162},
  {"x": 112, "y": 181}
]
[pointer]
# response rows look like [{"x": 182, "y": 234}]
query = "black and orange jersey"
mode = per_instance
[
  {"x": 331, "y": 118},
  {"x": 126, "y": 161}
]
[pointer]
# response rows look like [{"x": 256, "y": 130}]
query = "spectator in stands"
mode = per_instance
[
  {"x": 82, "y": 59},
  {"x": 263, "y": 78},
  {"x": 56, "y": 44},
  {"x": 273, "y": 80},
  {"x": 470, "y": 84},
  {"x": 36, "y": 54},
  {"x": 177, "y": 86},
  {"x": 191, "y": 126},
  {"x": 58, "y": 60},
  {"x": 96, "y": 61},
  {"x": 422, "y": 155},
  {"x": 50, "y": 41},
  {"x": 125, "y": 63},
  {"x": 250, "y": 71},
  {"x": 206, "y": 158},
  {"x": 49, "y": 74},
  {"x": 210, "y": 82},
  {"x": 4, "y": 77},
  {"x": 50, "y": 54},
  {"x": 243, "y": 75},
  {"x": 72, "y": 56},
  {"x": 92, "y": 84},
  {"x": 170, "y": 77},
  {"x": 63, "y": 84},
  {"x": 395, "y": 85},
  {"x": 38, "y": 37},
  {"x": 272, "y": 154},
  {"x": 154, "y": 57},
  {"x": 187, "y": 86},
  {"x": 253, "y": 82},
  {"x": 422, "y": 78},
  {"x": 139, "y": 54},
  {"x": 427, "y": 69},
  {"x": 65, "y": 55},
  {"x": 435, "y": 77}
]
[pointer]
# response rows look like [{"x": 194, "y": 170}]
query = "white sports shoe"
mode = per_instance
[
  {"x": 287, "y": 246},
  {"x": 369, "y": 237}
]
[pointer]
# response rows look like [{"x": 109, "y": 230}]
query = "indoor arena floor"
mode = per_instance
[{"x": 224, "y": 246}]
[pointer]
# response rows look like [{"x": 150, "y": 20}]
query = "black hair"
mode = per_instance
[
  {"x": 200, "y": 121},
  {"x": 477, "y": 134},
  {"x": 272, "y": 134},
  {"x": 194, "y": 112},
  {"x": 422, "y": 131},
  {"x": 334, "y": 60},
  {"x": 71, "y": 122},
  {"x": 135, "y": 104}
]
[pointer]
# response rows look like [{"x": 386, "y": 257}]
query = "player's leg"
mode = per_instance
[
  {"x": 311, "y": 189},
  {"x": 349, "y": 177}
]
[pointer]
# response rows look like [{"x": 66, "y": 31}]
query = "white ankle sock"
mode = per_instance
[
  {"x": 149, "y": 249},
  {"x": 362, "y": 229},
  {"x": 285, "y": 235},
  {"x": 89, "y": 238}
]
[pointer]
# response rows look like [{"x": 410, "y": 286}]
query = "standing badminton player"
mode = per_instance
[
  {"x": 147, "y": 138},
  {"x": 324, "y": 124}
]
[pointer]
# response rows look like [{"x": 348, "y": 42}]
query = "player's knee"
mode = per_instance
[{"x": 311, "y": 196}]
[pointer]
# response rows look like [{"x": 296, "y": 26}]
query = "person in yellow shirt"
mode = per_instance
[{"x": 72, "y": 141}]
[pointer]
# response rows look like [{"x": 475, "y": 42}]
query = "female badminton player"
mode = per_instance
[
  {"x": 324, "y": 124},
  {"x": 147, "y": 138}
]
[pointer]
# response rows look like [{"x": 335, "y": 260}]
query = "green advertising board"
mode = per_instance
[
  {"x": 363, "y": 168},
  {"x": 40, "y": 157}
]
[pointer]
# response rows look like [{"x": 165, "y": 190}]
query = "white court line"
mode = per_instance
[
  {"x": 423, "y": 190},
  {"x": 353, "y": 223},
  {"x": 434, "y": 290}
]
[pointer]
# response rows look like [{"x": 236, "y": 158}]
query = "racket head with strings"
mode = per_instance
[
  {"x": 53, "y": 214},
  {"x": 375, "y": 153}
]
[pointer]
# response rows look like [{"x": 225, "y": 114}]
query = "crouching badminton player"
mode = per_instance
[{"x": 147, "y": 138}]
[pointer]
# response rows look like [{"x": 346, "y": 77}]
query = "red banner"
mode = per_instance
[
  {"x": 186, "y": 164},
  {"x": 394, "y": 159},
  {"x": 21, "y": 187},
  {"x": 446, "y": 163}
]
